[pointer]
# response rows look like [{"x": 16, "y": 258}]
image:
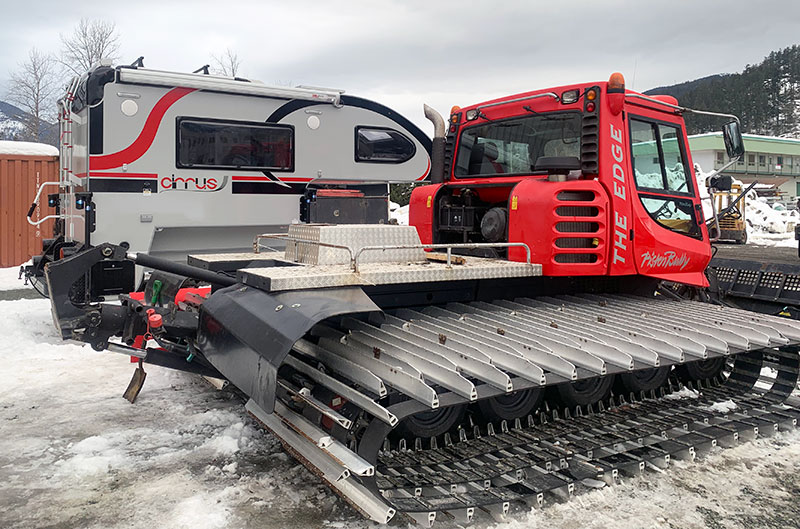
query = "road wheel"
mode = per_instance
[
  {"x": 587, "y": 391},
  {"x": 701, "y": 370},
  {"x": 644, "y": 379},
  {"x": 511, "y": 405},
  {"x": 432, "y": 423}
]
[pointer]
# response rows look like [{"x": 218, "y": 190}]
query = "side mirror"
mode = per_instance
[
  {"x": 720, "y": 182},
  {"x": 733, "y": 140}
]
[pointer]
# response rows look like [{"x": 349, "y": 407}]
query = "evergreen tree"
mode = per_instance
[{"x": 765, "y": 96}]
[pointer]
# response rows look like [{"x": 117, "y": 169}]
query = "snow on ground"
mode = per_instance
[
  {"x": 9, "y": 279},
  {"x": 73, "y": 453},
  {"x": 399, "y": 213},
  {"x": 27, "y": 148}
]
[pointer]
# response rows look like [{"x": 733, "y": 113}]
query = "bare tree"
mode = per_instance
[
  {"x": 33, "y": 87},
  {"x": 91, "y": 41},
  {"x": 227, "y": 64}
]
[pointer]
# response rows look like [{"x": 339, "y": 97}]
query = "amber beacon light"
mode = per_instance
[{"x": 616, "y": 92}]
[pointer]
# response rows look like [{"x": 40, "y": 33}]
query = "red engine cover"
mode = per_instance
[
  {"x": 565, "y": 224},
  {"x": 422, "y": 207}
]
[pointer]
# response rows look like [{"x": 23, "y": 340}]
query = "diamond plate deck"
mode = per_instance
[
  {"x": 273, "y": 279},
  {"x": 355, "y": 237}
]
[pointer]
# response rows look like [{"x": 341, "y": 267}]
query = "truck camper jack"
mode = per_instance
[{"x": 530, "y": 354}]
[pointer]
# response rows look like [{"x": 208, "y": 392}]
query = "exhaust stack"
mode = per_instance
[{"x": 437, "y": 152}]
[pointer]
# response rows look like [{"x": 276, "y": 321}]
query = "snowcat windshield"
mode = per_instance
[{"x": 512, "y": 146}]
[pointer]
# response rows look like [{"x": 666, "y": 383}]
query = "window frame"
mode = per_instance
[
  {"x": 516, "y": 117},
  {"x": 681, "y": 147},
  {"x": 380, "y": 128},
  {"x": 666, "y": 194},
  {"x": 242, "y": 123}
]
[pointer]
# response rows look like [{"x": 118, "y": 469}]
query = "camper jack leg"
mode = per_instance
[{"x": 136, "y": 383}]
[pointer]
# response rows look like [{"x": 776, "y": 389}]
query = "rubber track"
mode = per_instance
[{"x": 525, "y": 463}]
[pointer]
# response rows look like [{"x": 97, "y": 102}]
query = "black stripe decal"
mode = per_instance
[
  {"x": 295, "y": 105},
  {"x": 266, "y": 188},
  {"x": 122, "y": 185}
]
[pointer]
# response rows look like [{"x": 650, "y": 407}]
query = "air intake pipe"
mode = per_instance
[{"x": 437, "y": 152}]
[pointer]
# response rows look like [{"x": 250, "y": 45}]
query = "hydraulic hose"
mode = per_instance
[{"x": 166, "y": 265}]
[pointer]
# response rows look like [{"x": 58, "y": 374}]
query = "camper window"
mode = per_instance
[
  {"x": 218, "y": 144},
  {"x": 381, "y": 145}
]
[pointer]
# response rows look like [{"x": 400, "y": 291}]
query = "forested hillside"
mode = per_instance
[{"x": 764, "y": 96}]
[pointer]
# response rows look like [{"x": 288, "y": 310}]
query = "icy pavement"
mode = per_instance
[{"x": 73, "y": 453}]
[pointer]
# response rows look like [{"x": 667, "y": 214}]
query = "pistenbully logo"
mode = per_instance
[{"x": 668, "y": 259}]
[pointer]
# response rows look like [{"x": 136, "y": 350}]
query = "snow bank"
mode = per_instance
[
  {"x": 27, "y": 148},
  {"x": 767, "y": 225},
  {"x": 399, "y": 213}
]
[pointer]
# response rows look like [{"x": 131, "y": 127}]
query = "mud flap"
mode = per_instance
[
  {"x": 246, "y": 333},
  {"x": 136, "y": 383}
]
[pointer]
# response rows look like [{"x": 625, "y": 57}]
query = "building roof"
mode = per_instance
[{"x": 752, "y": 143}]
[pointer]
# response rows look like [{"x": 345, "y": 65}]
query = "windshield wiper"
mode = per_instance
[{"x": 547, "y": 116}]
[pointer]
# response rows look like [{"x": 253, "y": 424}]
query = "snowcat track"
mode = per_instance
[{"x": 489, "y": 467}]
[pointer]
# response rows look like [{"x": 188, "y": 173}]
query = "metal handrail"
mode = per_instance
[
  {"x": 285, "y": 237},
  {"x": 448, "y": 247},
  {"x": 355, "y": 255},
  {"x": 518, "y": 99},
  {"x": 36, "y": 202}
]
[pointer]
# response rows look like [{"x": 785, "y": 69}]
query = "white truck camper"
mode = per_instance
[{"x": 175, "y": 163}]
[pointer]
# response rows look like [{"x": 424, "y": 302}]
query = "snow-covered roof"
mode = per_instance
[
  {"x": 747, "y": 136},
  {"x": 27, "y": 148}
]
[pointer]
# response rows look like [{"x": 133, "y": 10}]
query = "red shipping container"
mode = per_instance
[{"x": 20, "y": 177}]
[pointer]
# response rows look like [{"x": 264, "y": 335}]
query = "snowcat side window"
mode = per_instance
[
  {"x": 383, "y": 145},
  {"x": 662, "y": 177},
  {"x": 658, "y": 160},
  {"x": 676, "y": 214},
  {"x": 218, "y": 144}
]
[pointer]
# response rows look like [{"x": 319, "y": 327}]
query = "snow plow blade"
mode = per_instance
[{"x": 246, "y": 333}]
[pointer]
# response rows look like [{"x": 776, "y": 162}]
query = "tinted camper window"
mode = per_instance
[
  {"x": 216, "y": 144},
  {"x": 379, "y": 145}
]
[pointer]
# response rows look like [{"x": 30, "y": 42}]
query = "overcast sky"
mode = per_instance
[{"x": 405, "y": 53}]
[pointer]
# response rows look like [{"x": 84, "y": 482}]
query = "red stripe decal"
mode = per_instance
[
  {"x": 265, "y": 179},
  {"x": 135, "y": 150},
  {"x": 427, "y": 171},
  {"x": 123, "y": 175},
  {"x": 250, "y": 179}
]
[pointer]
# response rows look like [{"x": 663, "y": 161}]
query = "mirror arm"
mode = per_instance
[
  {"x": 714, "y": 217},
  {"x": 708, "y": 113},
  {"x": 715, "y": 172},
  {"x": 683, "y": 109},
  {"x": 713, "y": 203}
]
